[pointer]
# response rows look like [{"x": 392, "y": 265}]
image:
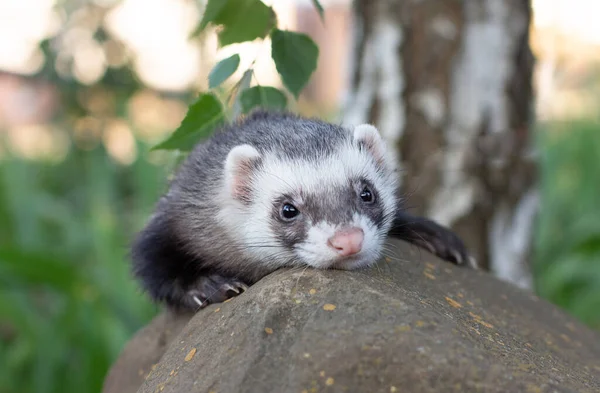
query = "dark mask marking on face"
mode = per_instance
[
  {"x": 335, "y": 205},
  {"x": 373, "y": 210},
  {"x": 288, "y": 232}
]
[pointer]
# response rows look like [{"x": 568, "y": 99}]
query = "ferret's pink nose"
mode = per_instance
[{"x": 347, "y": 241}]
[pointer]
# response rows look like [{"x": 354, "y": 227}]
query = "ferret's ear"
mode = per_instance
[
  {"x": 368, "y": 137},
  {"x": 239, "y": 166}
]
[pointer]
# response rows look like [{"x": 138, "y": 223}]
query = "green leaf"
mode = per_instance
[
  {"x": 223, "y": 70},
  {"x": 320, "y": 9},
  {"x": 202, "y": 118},
  {"x": 241, "y": 20},
  {"x": 211, "y": 12},
  {"x": 263, "y": 96},
  {"x": 245, "y": 20},
  {"x": 295, "y": 56}
]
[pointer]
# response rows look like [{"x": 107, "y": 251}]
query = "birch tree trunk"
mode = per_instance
[{"x": 449, "y": 83}]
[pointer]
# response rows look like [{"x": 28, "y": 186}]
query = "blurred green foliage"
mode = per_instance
[
  {"x": 67, "y": 301},
  {"x": 567, "y": 258}
]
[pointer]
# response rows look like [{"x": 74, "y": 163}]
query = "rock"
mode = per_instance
[
  {"x": 401, "y": 326},
  {"x": 142, "y": 353}
]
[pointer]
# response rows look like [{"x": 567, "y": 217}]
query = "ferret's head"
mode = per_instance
[{"x": 327, "y": 208}]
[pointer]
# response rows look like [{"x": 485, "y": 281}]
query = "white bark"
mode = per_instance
[
  {"x": 510, "y": 233},
  {"x": 382, "y": 78}
]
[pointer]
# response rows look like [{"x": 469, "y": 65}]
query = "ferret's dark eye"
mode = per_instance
[
  {"x": 366, "y": 195},
  {"x": 289, "y": 211}
]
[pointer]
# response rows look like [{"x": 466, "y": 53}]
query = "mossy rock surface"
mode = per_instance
[{"x": 410, "y": 324}]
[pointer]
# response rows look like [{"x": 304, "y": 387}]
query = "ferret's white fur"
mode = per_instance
[{"x": 278, "y": 176}]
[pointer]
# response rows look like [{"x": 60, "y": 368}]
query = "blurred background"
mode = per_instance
[{"x": 87, "y": 87}]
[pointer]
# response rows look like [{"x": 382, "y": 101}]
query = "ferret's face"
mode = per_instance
[
  {"x": 330, "y": 212},
  {"x": 339, "y": 225}
]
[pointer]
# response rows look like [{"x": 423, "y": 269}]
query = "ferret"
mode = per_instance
[{"x": 276, "y": 190}]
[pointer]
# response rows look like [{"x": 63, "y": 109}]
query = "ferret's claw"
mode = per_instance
[
  {"x": 457, "y": 257},
  {"x": 429, "y": 247},
  {"x": 196, "y": 299},
  {"x": 200, "y": 303},
  {"x": 473, "y": 263},
  {"x": 229, "y": 287}
]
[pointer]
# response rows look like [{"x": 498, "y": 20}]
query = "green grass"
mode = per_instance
[
  {"x": 567, "y": 262},
  {"x": 67, "y": 301}
]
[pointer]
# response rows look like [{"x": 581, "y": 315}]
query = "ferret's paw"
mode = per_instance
[
  {"x": 448, "y": 246},
  {"x": 213, "y": 289},
  {"x": 427, "y": 234}
]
